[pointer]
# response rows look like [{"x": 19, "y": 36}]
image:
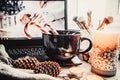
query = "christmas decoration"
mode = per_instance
[
  {"x": 26, "y": 63},
  {"x": 48, "y": 67}
]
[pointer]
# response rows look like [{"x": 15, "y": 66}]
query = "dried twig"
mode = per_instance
[
  {"x": 89, "y": 18},
  {"x": 105, "y": 22},
  {"x": 81, "y": 23}
]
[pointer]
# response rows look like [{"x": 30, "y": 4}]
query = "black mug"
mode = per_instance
[{"x": 66, "y": 45}]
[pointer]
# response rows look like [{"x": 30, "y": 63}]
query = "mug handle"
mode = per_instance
[
  {"x": 83, "y": 53},
  {"x": 89, "y": 47}
]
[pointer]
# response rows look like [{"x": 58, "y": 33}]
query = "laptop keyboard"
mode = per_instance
[{"x": 33, "y": 51}]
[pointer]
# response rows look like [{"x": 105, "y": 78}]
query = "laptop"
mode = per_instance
[{"x": 14, "y": 34}]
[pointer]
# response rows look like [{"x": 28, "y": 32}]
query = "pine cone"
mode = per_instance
[
  {"x": 26, "y": 63},
  {"x": 48, "y": 67}
]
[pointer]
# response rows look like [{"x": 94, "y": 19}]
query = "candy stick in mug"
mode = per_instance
[
  {"x": 41, "y": 20},
  {"x": 25, "y": 31},
  {"x": 43, "y": 4},
  {"x": 33, "y": 23},
  {"x": 52, "y": 29},
  {"x": 25, "y": 19}
]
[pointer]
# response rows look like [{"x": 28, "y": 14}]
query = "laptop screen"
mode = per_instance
[{"x": 33, "y": 19}]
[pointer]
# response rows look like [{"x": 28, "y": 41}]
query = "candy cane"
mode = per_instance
[
  {"x": 25, "y": 30},
  {"x": 26, "y": 18},
  {"x": 33, "y": 23},
  {"x": 52, "y": 29},
  {"x": 43, "y": 3}
]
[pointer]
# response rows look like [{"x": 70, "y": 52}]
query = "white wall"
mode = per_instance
[
  {"x": 72, "y": 8},
  {"x": 99, "y": 8},
  {"x": 81, "y": 7},
  {"x": 112, "y": 9}
]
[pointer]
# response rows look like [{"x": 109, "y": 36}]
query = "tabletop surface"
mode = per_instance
[{"x": 84, "y": 71}]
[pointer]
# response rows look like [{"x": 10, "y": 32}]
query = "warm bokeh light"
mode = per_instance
[{"x": 106, "y": 40}]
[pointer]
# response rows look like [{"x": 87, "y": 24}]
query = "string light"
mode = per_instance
[{"x": 11, "y": 7}]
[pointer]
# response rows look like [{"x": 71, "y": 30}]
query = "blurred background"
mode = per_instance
[{"x": 99, "y": 8}]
